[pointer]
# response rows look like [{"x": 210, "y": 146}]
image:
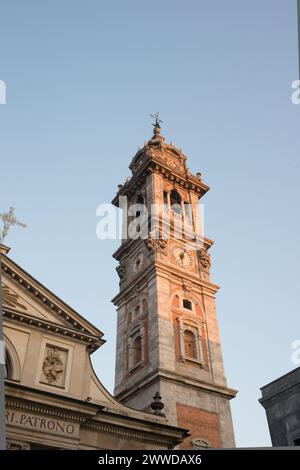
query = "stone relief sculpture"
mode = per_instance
[
  {"x": 121, "y": 270},
  {"x": 53, "y": 366},
  {"x": 156, "y": 244},
  {"x": 204, "y": 261},
  {"x": 199, "y": 443}
]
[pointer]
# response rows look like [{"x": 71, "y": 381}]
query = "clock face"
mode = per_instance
[
  {"x": 182, "y": 257},
  {"x": 138, "y": 262}
]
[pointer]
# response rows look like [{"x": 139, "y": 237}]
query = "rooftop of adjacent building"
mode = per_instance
[{"x": 281, "y": 384}]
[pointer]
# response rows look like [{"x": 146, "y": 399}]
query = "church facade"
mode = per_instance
[
  {"x": 167, "y": 331},
  {"x": 54, "y": 399}
]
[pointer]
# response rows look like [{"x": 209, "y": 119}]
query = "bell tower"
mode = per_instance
[{"x": 167, "y": 331}]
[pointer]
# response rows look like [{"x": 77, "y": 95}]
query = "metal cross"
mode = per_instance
[
  {"x": 157, "y": 120},
  {"x": 8, "y": 219}
]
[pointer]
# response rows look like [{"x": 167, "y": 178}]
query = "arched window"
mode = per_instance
[
  {"x": 190, "y": 347},
  {"x": 175, "y": 201},
  {"x": 137, "y": 348}
]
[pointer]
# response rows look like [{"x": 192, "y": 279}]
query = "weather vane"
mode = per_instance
[
  {"x": 9, "y": 219},
  {"x": 157, "y": 120}
]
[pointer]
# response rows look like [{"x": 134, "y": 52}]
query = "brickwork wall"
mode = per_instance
[{"x": 202, "y": 424}]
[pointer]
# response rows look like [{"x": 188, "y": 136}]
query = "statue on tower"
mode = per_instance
[{"x": 157, "y": 120}]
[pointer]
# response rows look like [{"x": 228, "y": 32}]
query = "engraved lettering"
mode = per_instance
[
  {"x": 70, "y": 428},
  {"x": 36, "y": 422}
]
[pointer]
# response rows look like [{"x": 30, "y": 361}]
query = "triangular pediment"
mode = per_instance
[
  {"x": 25, "y": 295},
  {"x": 14, "y": 299}
]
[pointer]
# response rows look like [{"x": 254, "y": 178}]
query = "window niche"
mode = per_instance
[
  {"x": 137, "y": 310},
  {"x": 190, "y": 346},
  {"x": 190, "y": 342},
  {"x": 136, "y": 348},
  {"x": 136, "y": 344},
  {"x": 175, "y": 201},
  {"x": 187, "y": 304}
]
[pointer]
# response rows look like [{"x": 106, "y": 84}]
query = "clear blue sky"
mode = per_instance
[{"x": 82, "y": 77}]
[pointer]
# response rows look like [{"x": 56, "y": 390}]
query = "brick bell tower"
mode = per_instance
[{"x": 167, "y": 331}]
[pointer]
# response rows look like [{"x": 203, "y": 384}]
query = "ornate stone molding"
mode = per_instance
[
  {"x": 124, "y": 433},
  {"x": 92, "y": 341},
  {"x": 17, "y": 445},
  {"x": 31, "y": 407},
  {"x": 161, "y": 164}
]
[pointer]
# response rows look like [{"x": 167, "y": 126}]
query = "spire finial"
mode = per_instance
[{"x": 9, "y": 219}]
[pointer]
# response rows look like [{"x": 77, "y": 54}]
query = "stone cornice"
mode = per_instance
[
  {"x": 43, "y": 410},
  {"x": 130, "y": 243},
  {"x": 38, "y": 401},
  {"x": 177, "y": 274},
  {"x": 138, "y": 435},
  {"x": 221, "y": 390},
  {"x": 157, "y": 164},
  {"x": 156, "y": 268},
  {"x": 93, "y": 342},
  {"x": 162, "y": 374},
  {"x": 127, "y": 247},
  {"x": 277, "y": 397},
  {"x": 148, "y": 273}
]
